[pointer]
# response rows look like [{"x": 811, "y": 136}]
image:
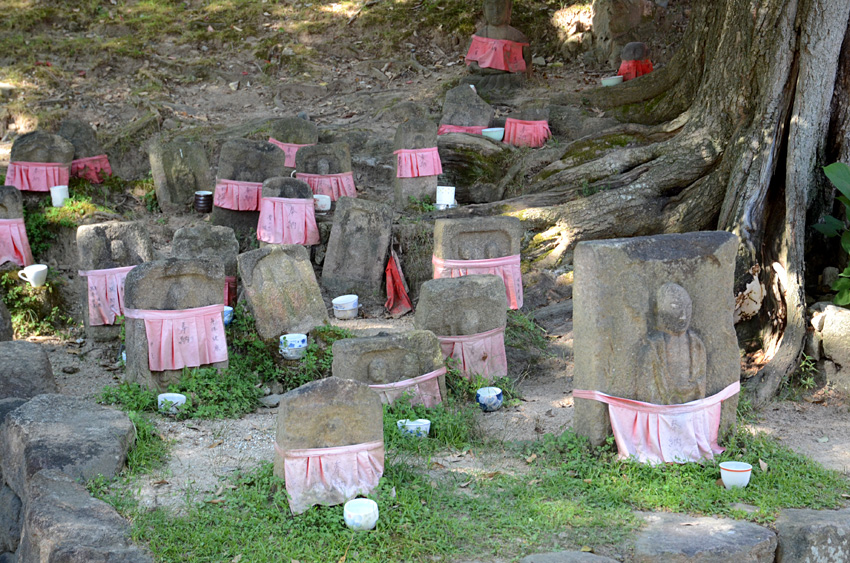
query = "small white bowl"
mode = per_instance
[
  {"x": 495, "y": 133},
  {"x": 419, "y": 427},
  {"x": 361, "y": 514},
  {"x": 293, "y": 353},
  {"x": 735, "y": 474},
  {"x": 612, "y": 80},
  {"x": 346, "y": 306},
  {"x": 170, "y": 402},
  {"x": 489, "y": 398}
]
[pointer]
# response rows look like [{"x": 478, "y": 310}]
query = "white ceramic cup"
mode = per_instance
[
  {"x": 735, "y": 474},
  {"x": 323, "y": 202},
  {"x": 36, "y": 274},
  {"x": 58, "y": 195},
  {"x": 360, "y": 514},
  {"x": 445, "y": 195},
  {"x": 170, "y": 402}
]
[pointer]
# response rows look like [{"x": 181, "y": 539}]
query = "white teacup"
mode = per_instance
[
  {"x": 36, "y": 274},
  {"x": 58, "y": 195},
  {"x": 323, "y": 202}
]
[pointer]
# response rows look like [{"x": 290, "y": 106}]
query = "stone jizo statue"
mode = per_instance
[
  {"x": 674, "y": 357},
  {"x": 482, "y": 60}
]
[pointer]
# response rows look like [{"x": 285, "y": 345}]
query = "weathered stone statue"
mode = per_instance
[
  {"x": 674, "y": 356},
  {"x": 497, "y": 48}
]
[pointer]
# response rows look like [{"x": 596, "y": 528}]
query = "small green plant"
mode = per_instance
[
  {"x": 423, "y": 205},
  {"x": 801, "y": 380},
  {"x": 523, "y": 333},
  {"x": 839, "y": 174},
  {"x": 35, "y": 311},
  {"x": 129, "y": 396}
]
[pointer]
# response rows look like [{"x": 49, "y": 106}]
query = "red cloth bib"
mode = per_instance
[
  {"x": 414, "y": 163},
  {"x": 630, "y": 70},
  {"x": 482, "y": 353},
  {"x": 526, "y": 133},
  {"x": 500, "y": 54},
  {"x": 95, "y": 169},
  {"x": 287, "y": 221},
  {"x": 471, "y": 129},
  {"x": 105, "y": 294},
  {"x": 37, "y": 176},
  {"x": 423, "y": 390},
  {"x": 238, "y": 196},
  {"x": 507, "y": 268},
  {"x": 14, "y": 244},
  {"x": 334, "y": 186},
  {"x": 291, "y": 149}
]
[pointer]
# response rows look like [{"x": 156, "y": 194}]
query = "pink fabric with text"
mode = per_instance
[
  {"x": 507, "y": 268},
  {"x": 291, "y": 149},
  {"x": 423, "y": 390},
  {"x": 500, "y": 54},
  {"x": 238, "y": 196},
  {"x": 105, "y": 294},
  {"x": 95, "y": 169},
  {"x": 526, "y": 133},
  {"x": 14, "y": 244},
  {"x": 665, "y": 433},
  {"x": 482, "y": 353},
  {"x": 230, "y": 291},
  {"x": 37, "y": 176},
  {"x": 183, "y": 338},
  {"x": 331, "y": 475},
  {"x": 334, "y": 186},
  {"x": 398, "y": 301},
  {"x": 414, "y": 163},
  {"x": 287, "y": 221},
  {"x": 471, "y": 129}
]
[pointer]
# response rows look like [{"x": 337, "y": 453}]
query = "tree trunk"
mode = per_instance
[{"x": 748, "y": 100}]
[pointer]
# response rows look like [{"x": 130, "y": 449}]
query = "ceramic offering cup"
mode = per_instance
[
  {"x": 36, "y": 274},
  {"x": 495, "y": 133},
  {"x": 203, "y": 202},
  {"x": 323, "y": 202},
  {"x": 419, "y": 427},
  {"x": 228, "y": 315},
  {"x": 445, "y": 195},
  {"x": 612, "y": 80},
  {"x": 735, "y": 474},
  {"x": 58, "y": 195},
  {"x": 345, "y": 306},
  {"x": 293, "y": 346},
  {"x": 360, "y": 514},
  {"x": 489, "y": 398},
  {"x": 170, "y": 402}
]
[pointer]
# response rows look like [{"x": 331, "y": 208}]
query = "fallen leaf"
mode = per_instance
[
  {"x": 588, "y": 481},
  {"x": 216, "y": 501},
  {"x": 689, "y": 524},
  {"x": 236, "y": 28},
  {"x": 465, "y": 485},
  {"x": 719, "y": 483},
  {"x": 219, "y": 491},
  {"x": 763, "y": 466},
  {"x": 823, "y": 440},
  {"x": 531, "y": 458},
  {"x": 587, "y": 549},
  {"x": 236, "y": 559},
  {"x": 435, "y": 465},
  {"x": 534, "y": 481},
  {"x": 844, "y": 495},
  {"x": 492, "y": 474},
  {"x": 160, "y": 482},
  {"x": 210, "y": 28},
  {"x": 216, "y": 443}
]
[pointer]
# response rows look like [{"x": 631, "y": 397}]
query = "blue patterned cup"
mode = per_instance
[
  {"x": 419, "y": 427},
  {"x": 490, "y": 398},
  {"x": 361, "y": 514},
  {"x": 228, "y": 315},
  {"x": 293, "y": 346}
]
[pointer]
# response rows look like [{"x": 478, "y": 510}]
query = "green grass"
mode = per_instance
[
  {"x": 523, "y": 333},
  {"x": 44, "y": 222},
  {"x": 35, "y": 311}
]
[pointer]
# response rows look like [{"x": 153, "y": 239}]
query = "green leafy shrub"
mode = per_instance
[
  {"x": 35, "y": 311},
  {"x": 523, "y": 333},
  {"x": 839, "y": 174},
  {"x": 44, "y": 222}
]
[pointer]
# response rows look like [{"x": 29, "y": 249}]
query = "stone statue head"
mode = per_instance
[
  {"x": 324, "y": 167},
  {"x": 497, "y": 12},
  {"x": 673, "y": 308}
]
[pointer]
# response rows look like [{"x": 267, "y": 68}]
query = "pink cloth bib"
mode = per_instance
[
  {"x": 333, "y": 185},
  {"x": 183, "y": 338},
  {"x": 472, "y": 130},
  {"x": 664, "y": 433},
  {"x": 37, "y": 176},
  {"x": 95, "y": 169},
  {"x": 331, "y": 476},
  {"x": 106, "y": 294},
  {"x": 423, "y": 390},
  {"x": 413, "y": 163},
  {"x": 14, "y": 244},
  {"x": 500, "y": 54},
  {"x": 482, "y": 353},
  {"x": 291, "y": 149},
  {"x": 238, "y": 196},
  {"x": 507, "y": 268},
  {"x": 526, "y": 133},
  {"x": 287, "y": 221}
]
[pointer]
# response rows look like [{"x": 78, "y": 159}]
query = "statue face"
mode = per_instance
[
  {"x": 497, "y": 12},
  {"x": 674, "y": 309}
]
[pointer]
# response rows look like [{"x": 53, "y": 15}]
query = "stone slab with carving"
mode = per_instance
[
  {"x": 410, "y": 135},
  {"x": 281, "y": 290},
  {"x": 477, "y": 238},
  {"x": 357, "y": 249},
  {"x": 461, "y": 306},
  {"x": 626, "y": 332},
  {"x": 179, "y": 168},
  {"x": 383, "y": 359},
  {"x": 207, "y": 242},
  {"x": 326, "y": 158},
  {"x": 25, "y": 370},
  {"x": 286, "y": 187},
  {"x": 171, "y": 284},
  {"x": 813, "y": 535},
  {"x": 293, "y": 130}
]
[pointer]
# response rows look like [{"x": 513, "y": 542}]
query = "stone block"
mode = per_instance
[
  {"x": 327, "y": 158},
  {"x": 357, "y": 250},
  {"x": 10, "y": 519},
  {"x": 615, "y": 297},
  {"x": 74, "y": 436},
  {"x": 179, "y": 169},
  {"x": 679, "y": 538},
  {"x": 207, "y": 242},
  {"x": 7, "y": 332},
  {"x": 25, "y": 370},
  {"x": 478, "y": 238},
  {"x": 293, "y": 130},
  {"x": 281, "y": 290},
  {"x": 813, "y": 536},
  {"x": 464, "y": 107},
  {"x": 41, "y": 146},
  {"x": 171, "y": 284},
  {"x": 566, "y": 557},
  {"x": 383, "y": 359},
  {"x": 835, "y": 341},
  {"x": 287, "y": 188},
  {"x": 82, "y": 136},
  {"x": 11, "y": 203},
  {"x": 414, "y": 134},
  {"x": 461, "y": 306},
  {"x": 63, "y": 523}
]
